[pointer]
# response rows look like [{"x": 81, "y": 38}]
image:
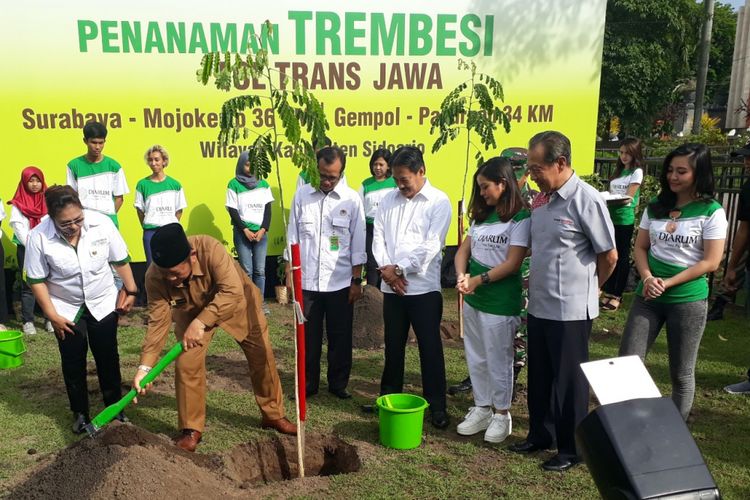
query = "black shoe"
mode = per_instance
[
  {"x": 526, "y": 447},
  {"x": 559, "y": 463},
  {"x": 368, "y": 408},
  {"x": 122, "y": 417},
  {"x": 341, "y": 393},
  {"x": 79, "y": 424},
  {"x": 463, "y": 386},
  {"x": 440, "y": 419},
  {"x": 716, "y": 312}
]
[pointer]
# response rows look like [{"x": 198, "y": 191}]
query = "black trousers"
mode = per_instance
[
  {"x": 101, "y": 336},
  {"x": 617, "y": 282},
  {"x": 338, "y": 313},
  {"x": 423, "y": 313},
  {"x": 372, "y": 276},
  {"x": 558, "y": 391}
]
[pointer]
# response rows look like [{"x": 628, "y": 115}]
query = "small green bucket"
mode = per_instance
[
  {"x": 401, "y": 419},
  {"x": 11, "y": 349}
]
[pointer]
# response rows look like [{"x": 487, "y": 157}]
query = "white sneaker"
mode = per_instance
[
  {"x": 500, "y": 428},
  {"x": 48, "y": 326},
  {"x": 477, "y": 420},
  {"x": 739, "y": 388},
  {"x": 29, "y": 328}
]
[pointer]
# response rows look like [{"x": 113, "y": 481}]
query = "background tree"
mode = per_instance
[
  {"x": 471, "y": 108},
  {"x": 720, "y": 60},
  {"x": 649, "y": 46},
  {"x": 650, "y": 49},
  {"x": 286, "y": 108}
]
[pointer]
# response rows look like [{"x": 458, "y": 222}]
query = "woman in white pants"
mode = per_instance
[{"x": 493, "y": 251}]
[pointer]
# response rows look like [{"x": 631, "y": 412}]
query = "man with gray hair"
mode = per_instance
[{"x": 573, "y": 254}]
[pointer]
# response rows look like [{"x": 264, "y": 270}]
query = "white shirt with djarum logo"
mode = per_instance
[
  {"x": 249, "y": 203},
  {"x": 490, "y": 242},
  {"x": 677, "y": 244}
]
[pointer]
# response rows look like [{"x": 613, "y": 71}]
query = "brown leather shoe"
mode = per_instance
[
  {"x": 188, "y": 439},
  {"x": 281, "y": 425}
]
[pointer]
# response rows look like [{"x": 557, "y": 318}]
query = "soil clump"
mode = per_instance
[{"x": 126, "y": 461}]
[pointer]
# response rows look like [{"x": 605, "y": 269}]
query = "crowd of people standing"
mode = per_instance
[{"x": 575, "y": 245}]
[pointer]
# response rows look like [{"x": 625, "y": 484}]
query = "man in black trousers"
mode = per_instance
[
  {"x": 408, "y": 239},
  {"x": 572, "y": 255},
  {"x": 329, "y": 224}
]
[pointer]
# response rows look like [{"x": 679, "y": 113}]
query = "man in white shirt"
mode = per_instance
[
  {"x": 409, "y": 235},
  {"x": 329, "y": 224}
]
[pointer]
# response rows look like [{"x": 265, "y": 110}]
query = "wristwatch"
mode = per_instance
[
  {"x": 132, "y": 294},
  {"x": 398, "y": 271},
  {"x": 356, "y": 281},
  {"x": 485, "y": 277}
]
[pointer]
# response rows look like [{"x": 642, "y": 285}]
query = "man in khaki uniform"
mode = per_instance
[{"x": 198, "y": 285}]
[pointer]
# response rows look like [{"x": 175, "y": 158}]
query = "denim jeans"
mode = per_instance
[
  {"x": 252, "y": 257},
  {"x": 147, "y": 235},
  {"x": 27, "y": 297},
  {"x": 685, "y": 323}
]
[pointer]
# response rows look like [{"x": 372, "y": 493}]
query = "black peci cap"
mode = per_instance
[{"x": 169, "y": 246}]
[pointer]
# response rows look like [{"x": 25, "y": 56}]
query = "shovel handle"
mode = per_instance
[{"x": 166, "y": 360}]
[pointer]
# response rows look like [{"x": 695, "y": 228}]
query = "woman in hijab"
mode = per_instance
[
  {"x": 249, "y": 205},
  {"x": 27, "y": 210}
]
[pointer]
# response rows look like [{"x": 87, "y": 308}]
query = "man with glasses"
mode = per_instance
[
  {"x": 329, "y": 224},
  {"x": 572, "y": 254}
]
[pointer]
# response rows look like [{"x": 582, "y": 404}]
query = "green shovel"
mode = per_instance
[{"x": 111, "y": 411}]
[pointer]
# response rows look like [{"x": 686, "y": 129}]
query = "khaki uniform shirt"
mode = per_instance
[{"x": 218, "y": 293}]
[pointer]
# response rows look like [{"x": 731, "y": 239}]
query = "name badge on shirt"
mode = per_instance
[
  {"x": 98, "y": 247},
  {"x": 334, "y": 240}
]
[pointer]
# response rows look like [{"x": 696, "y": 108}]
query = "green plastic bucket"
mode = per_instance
[
  {"x": 401, "y": 418},
  {"x": 11, "y": 349}
]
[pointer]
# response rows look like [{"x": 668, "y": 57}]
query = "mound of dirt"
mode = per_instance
[
  {"x": 125, "y": 461},
  {"x": 367, "y": 328}
]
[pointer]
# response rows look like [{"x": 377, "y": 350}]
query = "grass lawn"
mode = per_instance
[{"x": 36, "y": 420}]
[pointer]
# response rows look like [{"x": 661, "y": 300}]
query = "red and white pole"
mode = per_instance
[{"x": 301, "y": 398}]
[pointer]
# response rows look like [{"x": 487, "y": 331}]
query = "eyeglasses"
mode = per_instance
[
  {"x": 69, "y": 223},
  {"x": 330, "y": 178}
]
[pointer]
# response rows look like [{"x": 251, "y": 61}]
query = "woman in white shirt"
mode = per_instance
[
  {"x": 626, "y": 180},
  {"x": 27, "y": 210},
  {"x": 68, "y": 259}
]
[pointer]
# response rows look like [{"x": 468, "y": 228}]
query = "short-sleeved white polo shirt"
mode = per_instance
[{"x": 77, "y": 276}]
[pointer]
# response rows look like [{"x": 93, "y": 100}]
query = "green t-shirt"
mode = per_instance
[
  {"x": 249, "y": 203},
  {"x": 676, "y": 244},
  {"x": 159, "y": 201},
  {"x": 98, "y": 184},
  {"x": 372, "y": 192},
  {"x": 490, "y": 242},
  {"x": 625, "y": 215}
]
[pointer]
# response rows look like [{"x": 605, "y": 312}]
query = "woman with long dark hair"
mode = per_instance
[
  {"x": 493, "y": 251},
  {"x": 680, "y": 240},
  {"x": 626, "y": 180}
]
